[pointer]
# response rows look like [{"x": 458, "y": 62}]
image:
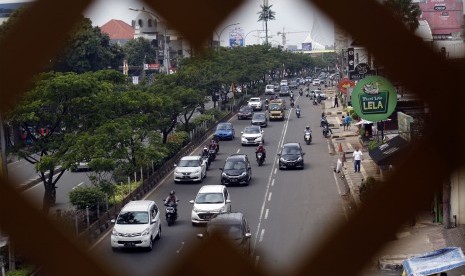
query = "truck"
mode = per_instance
[{"x": 276, "y": 110}]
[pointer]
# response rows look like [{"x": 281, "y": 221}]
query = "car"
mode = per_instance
[
  {"x": 260, "y": 119},
  {"x": 269, "y": 89},
  {"x": 315, "y": 93},
  {"x": 283, "y": 82},
  {"x": 82, "y": 166},
  {"x": 233, "y": 226},
  {"x": 210, "y": 201},
  {"x": 293, "y": 85},
  {"x": 236, "y": 170},
  {"x": 137, "y": 225},
  {"x": 252, "y": 135},
  {"x": 225, "y": 131},
  {"x": 308, "y": 79},
  {"x": 255, "y": 103},
  {"x": 245, "y": 112},
  {"x": 190, "y": 168},
  {"x": 315, "y": 82},
  {"x": 291, "y": 156},
  {"x": 276, "y": 87},
  {"x": 284, "y": 90}
]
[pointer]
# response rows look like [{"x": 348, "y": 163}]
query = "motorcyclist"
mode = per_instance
[
  {"x": 261, "y": 149},
  {"x": 205, "y": 152},
  {"x": 301, "y": 91},
  {"x": 307, "y": 129},
  {"x": 292, "y": 102},
  {"x": 213, "y": 145},
  {"x": 171, "y": 199},
  {"x": 297, "y": 109}
]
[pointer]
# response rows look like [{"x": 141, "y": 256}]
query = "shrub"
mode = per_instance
[
  {"x": 82, "y": 197},
  {"x": 367, "y": 187},
  {"x": 373, "y": 144},
  {"x": 20, "y": 272}
]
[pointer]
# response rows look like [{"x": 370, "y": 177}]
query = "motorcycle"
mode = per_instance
[
  {"x": 206, "y": 159},
  {"x": 308, "y": 137},
  {"x": 260, "y": 158},
  {"x": 171, "y": 212},
  {"x": 292, "y": 103},
  {"x": 306, "y": 93},
  {"x": 301, "y": 92},
  {"x": 315, "y": 102},
  {"x": 211, "y": 155},
  {"x": 323, "y": 121},
  {"x": 297, "y": 113},
  {"x": 325, "y": 131}
]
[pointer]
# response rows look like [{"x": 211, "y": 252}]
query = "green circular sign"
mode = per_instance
[{"x": 374, "y": 98}]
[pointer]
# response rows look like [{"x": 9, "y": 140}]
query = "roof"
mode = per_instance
[
  {"x": 389, "y": 152},
  {"x": 211, "y": 189},
  {"x": 226, "y": 217},
  {"x": 295, "y": 144},
  {"x": 118, "y": 29},
  {"x": 190, "y": 157},
  {"x": 137, "y": 205}
]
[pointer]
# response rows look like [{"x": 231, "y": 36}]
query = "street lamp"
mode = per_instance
[
  {"x": 219, "y": 35},
  {"x": 245, "y": 37},
  {"x": 166, "y": 60}
]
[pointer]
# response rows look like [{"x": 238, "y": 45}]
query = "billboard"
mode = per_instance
[
  {"x": 306, "y": 46},
  {"x": 236, "y": 37},
  {"x": 443, "y": 16}
]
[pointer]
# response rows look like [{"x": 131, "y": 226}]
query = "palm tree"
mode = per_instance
[
  {"x": 266, "y": 14},
  {"x": 406, "y": 11}
]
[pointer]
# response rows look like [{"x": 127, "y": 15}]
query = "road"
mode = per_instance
[{"x": 289, "y": 211}]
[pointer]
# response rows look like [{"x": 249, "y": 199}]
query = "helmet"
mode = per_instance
[
  {"x": 205, "y": 148},
  {"x": 172, "y": 192},
  {"x": 297, "y": 106},
  {"x": 307, "y": 127},
  {"x": 260, "y": 144}
]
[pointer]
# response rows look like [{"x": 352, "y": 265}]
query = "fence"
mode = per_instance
[{"x": 405, "y": 58}]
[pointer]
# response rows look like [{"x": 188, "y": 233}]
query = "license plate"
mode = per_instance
[
  {"x": 129, "y": 244},
  {"x": 185, "y": 176},
  {"x": 233, "y": 180}
]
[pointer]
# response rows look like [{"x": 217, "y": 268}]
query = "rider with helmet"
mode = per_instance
[
  {"x": 205, "y": 152},
  {"x": 261, "y": 149},
  {"x": 171, "y": 199}
]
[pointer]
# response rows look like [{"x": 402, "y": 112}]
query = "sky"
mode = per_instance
[{"x": 291, "y": 16}]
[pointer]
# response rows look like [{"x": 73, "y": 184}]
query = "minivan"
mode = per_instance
[
  {"x": 137, "y": 225},
  {"x": 210, "y": 201}
]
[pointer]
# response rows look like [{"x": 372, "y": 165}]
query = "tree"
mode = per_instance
[
  {"x": 59, "y": 106},
  {"x": 405, "y": 11},
  {"x": 87, "y": 49},
  {"x": 265, "y": 15}
]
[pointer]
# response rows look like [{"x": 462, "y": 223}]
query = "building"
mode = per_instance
[{"x": 119, "y": 31}]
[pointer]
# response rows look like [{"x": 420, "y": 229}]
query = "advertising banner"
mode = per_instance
[
  {"x": 306, "y": 46},
  {"x": 344, "y": 84},
  {"x": 374, "y": 98},
  {"x": 236, "y": 37}
]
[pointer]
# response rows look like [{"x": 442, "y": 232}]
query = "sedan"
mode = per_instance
[
  {"x": 260, "y": 119},
  {"x": 190, "y": 168},
  {"x": 291, "y": 156},
  {"x": 252, "y": 135},
  {"x": 245, "y": 112},
  {"x": 225, "y": 131}
]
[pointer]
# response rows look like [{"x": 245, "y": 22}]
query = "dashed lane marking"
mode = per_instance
[
  {"x": 261, "y": 235},
  {"x": 269, "y": 196},
  {"x": 266, "y": 213}
]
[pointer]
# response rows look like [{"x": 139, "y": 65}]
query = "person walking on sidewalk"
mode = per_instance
[
  {"x": 348, "y": 122},
  {"x": 357, "y": 159},
  {"x": 336, "y": 102},
  {"x": 343, "y": 120}
]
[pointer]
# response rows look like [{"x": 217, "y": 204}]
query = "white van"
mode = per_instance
[
  {"x": 137, "y": 225},
  {"x": 284, "y": 83}
]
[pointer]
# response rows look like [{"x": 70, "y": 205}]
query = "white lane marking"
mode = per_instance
[
  {"x": 180, "y": 248},
  {"x": 261, "y": 235},
  {"x": 272, "y": 183},
  {"x": 275, "y": 170},
  {"x": 268, "y": 187},
  {"x": 266, "y": 213},
  {"x": 77, "y": 185},
  {"x": 238, "y": 150},
  {"x": 344, "y": 210},
  {"x": 257, "y": 259},
  {"x": 269, "y": 196}
]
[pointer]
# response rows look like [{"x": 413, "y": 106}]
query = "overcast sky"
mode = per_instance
[{"x": 291, "y": 16}]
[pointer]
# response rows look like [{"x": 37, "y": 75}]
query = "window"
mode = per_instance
[
  {"x": 141, "y": 23},
  {"x": 149, "y": 23}
]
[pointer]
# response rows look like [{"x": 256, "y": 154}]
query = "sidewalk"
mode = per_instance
[{"x": 410, "y": 241}]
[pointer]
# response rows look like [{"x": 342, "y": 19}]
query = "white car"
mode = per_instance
[
  {"x": 252, "y": 135},
  {"x": 137, "y": 225},
  {"x": 210, "y": 201},
  {"x": 190, "y": 168},
  {"x": 283, "y": 82},
  {"x": 269, "y": 89},
  {"x": 255, "y": 103},
  {"x": 316, "y": 82}
]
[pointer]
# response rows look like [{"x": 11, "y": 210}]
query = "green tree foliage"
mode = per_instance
[
  {"x": 83, "y": 197},
  {"x": 266, "y": 14},
  {"x": 405, "y": 11},
  {"x": 139, "y": 51},
  {"x": 88, "y": 49}
]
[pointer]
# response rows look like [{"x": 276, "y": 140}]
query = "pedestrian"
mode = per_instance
[
  {"x": 343, "y": 122},
  {"x": 357, "y": 159},
  {"x": 348, "y": 122},
  {"x": 336, "y": 102}
]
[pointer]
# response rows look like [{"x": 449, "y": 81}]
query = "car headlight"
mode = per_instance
[
  {"x": 146, "y": 232},
  {"x": 195, "y": 209},
  {"x": 300, "y": 158},
  {"x": 282, "y": 159},
  {"x": 197, "y": 171},
  {"x": 243, "y": 174},
  {"x": 224, "y": 174},
  {"x": 114, "y": 232}
]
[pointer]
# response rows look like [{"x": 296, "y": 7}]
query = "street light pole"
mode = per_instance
[
  {"x": 245, "y": 37},
  {"x": 165, "y": 50},
  {"x": 219, "y": 35}
]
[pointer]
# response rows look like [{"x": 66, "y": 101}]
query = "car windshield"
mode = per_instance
[
  {"x": 275, "y": 107},
  {"x": 133, "y": 218},
  {"x": 284, "y": 88},
  {"x": 223, "y": 126},
  {"x": 291, "y": 150},
  {"x": 269, "y": 86},
  {"x": 259, "y": 116},
  {"x": 251, "y": 130},
  {"x": 232, "y": 231},
  {"x": 189, "y": 163},
  {"x": 254, "y": 100},
  {"x": 234, "y": 165},
  {"x": 209, "y": 198},
  {"x": 244, "y": 109}
]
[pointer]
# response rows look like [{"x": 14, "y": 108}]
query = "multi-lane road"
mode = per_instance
[{"x": 289, "y": 211}]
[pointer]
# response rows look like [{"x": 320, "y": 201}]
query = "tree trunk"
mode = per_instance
[{"x": 266, "y": 32}]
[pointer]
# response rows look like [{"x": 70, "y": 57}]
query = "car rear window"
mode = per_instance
[{"x": 209, "y": 198}]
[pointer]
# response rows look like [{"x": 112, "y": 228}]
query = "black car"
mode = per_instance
[
  {"x": 245, "y": 112},
  {"x": 260, "y": 119},
  {"x": 291, "y": 156},
  {"x": 236, "y": 170},
  {"x": 284, "y": 90},
  {"x": 233, "y": 226}
]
